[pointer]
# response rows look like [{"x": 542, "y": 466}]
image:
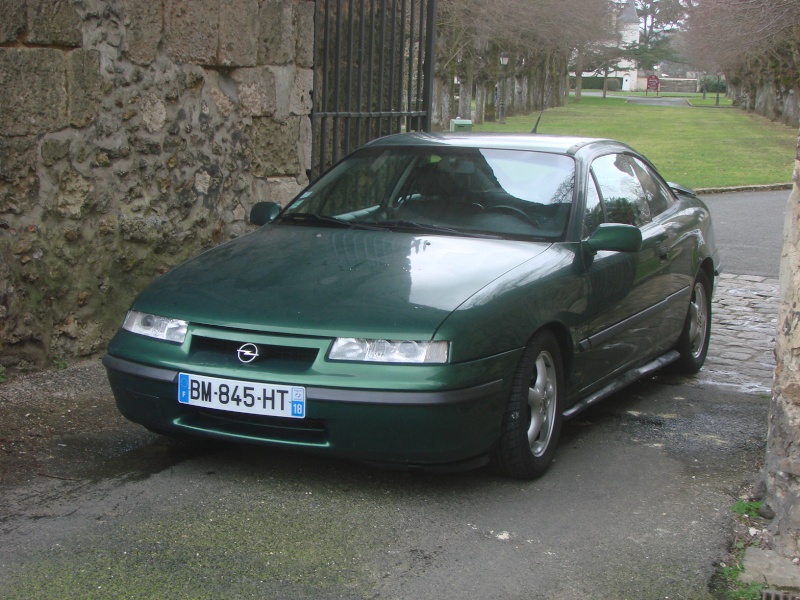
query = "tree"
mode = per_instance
[
  {"x": 756, "y": 41},
  {"x": 783, "y": 437},
  {"x": 724, "y": 34},
  {"x": 538, "y": 34},
  {"x": 660, "y": 19}
]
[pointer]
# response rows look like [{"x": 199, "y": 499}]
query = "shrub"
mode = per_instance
[{"x": 712, "y": 85}]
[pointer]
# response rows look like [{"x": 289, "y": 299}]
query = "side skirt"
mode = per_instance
[{"x": 624, "y": 381}]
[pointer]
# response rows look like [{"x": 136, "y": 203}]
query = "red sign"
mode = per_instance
[{"x": 652, "y": 84}]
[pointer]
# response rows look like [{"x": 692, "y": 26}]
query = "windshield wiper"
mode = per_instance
[
  {"x": 315, "y": 219},
  {"x": 432, "y": 228},
  {"x": 311, "y": 219}
]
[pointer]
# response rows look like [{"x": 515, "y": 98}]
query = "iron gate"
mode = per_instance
[{"x": 373, "y": 73}]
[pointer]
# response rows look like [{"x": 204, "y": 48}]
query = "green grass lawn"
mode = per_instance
[{"x": 697, "y": 147}]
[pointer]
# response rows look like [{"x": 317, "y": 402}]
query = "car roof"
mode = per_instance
[{"x": 559, "y": 144}]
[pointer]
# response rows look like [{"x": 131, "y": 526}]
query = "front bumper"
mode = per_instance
[{"x": 410, "y": 428}]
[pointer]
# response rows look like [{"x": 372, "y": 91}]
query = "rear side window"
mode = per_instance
[
  {"x": 593, "y": 214},
  {"x": 658, "y": 197},
  {"x": 622, "y": 192}
]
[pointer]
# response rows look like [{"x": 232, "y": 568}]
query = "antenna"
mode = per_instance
[
  {"x": 545, "y": 102},
  {"x": 537, "y": 122}
]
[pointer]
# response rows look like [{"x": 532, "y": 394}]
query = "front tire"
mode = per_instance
[
  {"x": 532, "y": 421},
  {"x": 693, "y": 343}
]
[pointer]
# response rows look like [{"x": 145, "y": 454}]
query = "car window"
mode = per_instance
[
  {"x": 621, "y": 190},
  {"x": 658, "y": 197},
  {"x": 358, "y": 183},
  {"x": 593, "y": 214},
  {"x": 474, "y": 191}
]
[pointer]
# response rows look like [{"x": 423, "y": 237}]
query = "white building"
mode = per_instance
[
  {"x": 626, "y": 25},
  {"x": 628, "y": 29}
]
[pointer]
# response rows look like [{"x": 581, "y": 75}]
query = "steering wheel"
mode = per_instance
[{"x": 516, "y": 212}]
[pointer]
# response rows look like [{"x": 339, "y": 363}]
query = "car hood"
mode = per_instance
[{"x": 320, "y": 281}]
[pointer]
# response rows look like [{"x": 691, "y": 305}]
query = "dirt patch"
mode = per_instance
[{"x": 37, "y": 409}]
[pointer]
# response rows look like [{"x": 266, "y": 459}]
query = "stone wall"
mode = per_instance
[
  {"x": 133, "y": 134},
  {"x": 672, "y": 84}
]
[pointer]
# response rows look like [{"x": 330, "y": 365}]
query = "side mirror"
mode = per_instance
[
  {"x": 264, "y": 212},
  {"x": 615, "y": 237}
]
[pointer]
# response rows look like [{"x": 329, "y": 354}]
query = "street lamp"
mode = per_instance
[{"x": 502, "y": 109}]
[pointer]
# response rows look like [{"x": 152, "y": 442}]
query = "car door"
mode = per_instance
[
  {"x": 625, "y": 290},
  {"x": 668, "y": 231}
]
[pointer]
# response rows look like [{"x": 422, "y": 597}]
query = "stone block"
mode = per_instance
[
  {"x": 53, "y": 22},
  {"x": 238, "y": 33},
  {"x": 74, "y": 192},
  {"x": 32, "y": 109},
  {"x": 191, "y": 31},
  {"x": 767, "y": 567},
  {"x": 276, "y": 33},
  {"x": 19, "y": 185},
  {"x": 284, "y": 83},
  {"x": 13, "y": 21},
  {"x": 272, "y": 147},
  {"x": 304, "y": 33},
  {"x": 85, "y": 86},
  {"x": 283, "y": 189},
  {"x": 257, "y": 91},
  {"x": 144, "y": 30},
  {"x": 304, "y": 146},
  {"x": 154, "y": 113},
  {"x": 54, "y": 150},
  {"x": 300, "y": 96}
]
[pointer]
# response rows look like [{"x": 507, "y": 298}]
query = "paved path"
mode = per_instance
[
  {"x": 660, "y": 101},
  {"x": 743, "y": 328}
]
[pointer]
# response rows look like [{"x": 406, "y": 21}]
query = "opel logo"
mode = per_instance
[{"x": 247, "y": 353}]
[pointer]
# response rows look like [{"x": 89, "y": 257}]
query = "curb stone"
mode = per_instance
[
  {"x": 745, "y": 188},
  {"x": 769, "y": 568}
]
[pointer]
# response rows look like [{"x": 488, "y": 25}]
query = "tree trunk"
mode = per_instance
[
  {"x": 578, "y": 74},
  {"x": 465, "y": 94},
  {"x": 480, "y": 100},
  {"x": 783, "y": 437}
]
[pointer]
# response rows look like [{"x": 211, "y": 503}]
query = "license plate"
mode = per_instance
[{"x": 242, "y": 396}]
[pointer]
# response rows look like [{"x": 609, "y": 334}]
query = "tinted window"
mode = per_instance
[
  {"x": 511, "y": 193},
  {"x": 621, "y": 190},
  {"x": 658, "y": 197},
  {"x": 593, "y": 214}
]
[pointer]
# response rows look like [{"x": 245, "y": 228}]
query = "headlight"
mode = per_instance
[
  {"x": 162, "y": 328},
  {"x": 389, "y": 351}
]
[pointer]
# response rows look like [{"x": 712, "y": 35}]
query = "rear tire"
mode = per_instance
[
  {"x": 532, "y": 421},
  {"x": 693, "y": 343}
]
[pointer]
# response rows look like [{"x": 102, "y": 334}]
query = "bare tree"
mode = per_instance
[
  {"x": 726, "y": 33},
  {"x": 539, "y": 36},
  {"x": 783, "y": 437},
  {"x": 758, "y": 41}
]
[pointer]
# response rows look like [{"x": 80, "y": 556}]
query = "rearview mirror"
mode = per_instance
[
  {"x": 264, "y": 212},
  {"x": 615, "y": 237}
]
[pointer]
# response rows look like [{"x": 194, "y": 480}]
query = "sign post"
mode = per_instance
[{"x": 653, "y": 84}]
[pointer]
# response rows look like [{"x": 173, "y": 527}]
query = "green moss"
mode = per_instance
[{"x": 231, "y": 545}]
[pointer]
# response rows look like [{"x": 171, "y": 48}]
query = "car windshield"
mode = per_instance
[{"x": 452, "y": 191}]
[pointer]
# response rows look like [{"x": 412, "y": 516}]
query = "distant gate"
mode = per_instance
[{"x": 373, "y": 73}]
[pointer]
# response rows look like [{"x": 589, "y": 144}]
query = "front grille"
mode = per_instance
[{"x": 215, "y": 351}]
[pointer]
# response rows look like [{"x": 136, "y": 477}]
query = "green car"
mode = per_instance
[{"x": 433, "y": 301}]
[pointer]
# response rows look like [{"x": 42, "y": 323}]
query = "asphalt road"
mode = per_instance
[
  {"x": 749, "y": 229},
  {"x": 637, "y": 504}
]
